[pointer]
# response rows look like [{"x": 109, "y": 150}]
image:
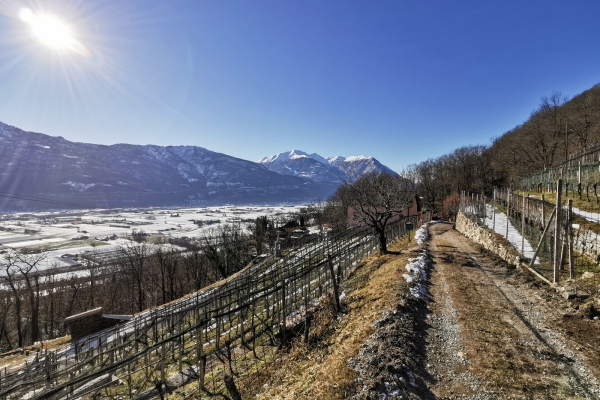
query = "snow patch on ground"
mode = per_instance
[
  {"x": 514, "y": 236},
  {"x": 417, "y": 275},
  {"x": 422, "y": 234},
  {"x": 590, "y": 216}
]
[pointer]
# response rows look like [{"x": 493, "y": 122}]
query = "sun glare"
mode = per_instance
[{"x": 49, "y": 30}]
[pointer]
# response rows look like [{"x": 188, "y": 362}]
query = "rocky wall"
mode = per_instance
[{"x": 485, "y": 238}]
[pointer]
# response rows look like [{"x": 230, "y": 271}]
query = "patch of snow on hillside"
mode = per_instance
[
  {"x": 336, "y": 160},
  {"x": 297, "y": 156},
  {"x": 358, "y": 158},
  {"x": 282, "y": 157},
  {"x": 291, "y": 155},
  {"x": 81, "y": 187}
]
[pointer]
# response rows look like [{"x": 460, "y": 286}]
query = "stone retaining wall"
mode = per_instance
[{"x": 485, "y": 238}]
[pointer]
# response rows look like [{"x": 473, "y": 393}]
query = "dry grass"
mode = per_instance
[
  {"x": 16, "y": 359},
  {"x": 319, "y": 370}
]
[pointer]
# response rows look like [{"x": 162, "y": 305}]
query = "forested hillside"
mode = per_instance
[{"x": 558, "y": 129}]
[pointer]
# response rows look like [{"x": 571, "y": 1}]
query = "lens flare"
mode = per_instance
[{"x": 51, "y": 31}]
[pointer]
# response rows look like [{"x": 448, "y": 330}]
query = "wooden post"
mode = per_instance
[
  {"x": 523, "y": 227},
  {"x": 507, "y": 211},
  {"x": 335, "y": 286},
  {"x": 570, "y": 238},
  {"x": 542, "y": 238},
  {"x": 543, "y": 213},
  {"x": 557, "y": 241},
  {"x": 494, "y": 213},
  {"x": 283, "y": 316},
  {"x": 527, "y": 214},
  {"x": 307, "y": 321},
  {"x": 162, "y": 364},
  {"x": 579, "y": 180},
  {"x": 231, "y": 388},
  {"x": 48, "y": 369}
]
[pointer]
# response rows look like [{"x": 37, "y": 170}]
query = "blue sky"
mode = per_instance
[{"x": 399, "y": 80}]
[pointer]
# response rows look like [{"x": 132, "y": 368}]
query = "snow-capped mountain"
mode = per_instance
[
  {"x": 321, "y": 169},
  {"x": 290, "y": 155},
  {"x": 49, "y": 172}
]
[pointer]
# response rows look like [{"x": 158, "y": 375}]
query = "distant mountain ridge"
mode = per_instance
[
  {"x": 56, "y": 173},
  {"x": 322, "y": 169},
  {"x": 38, "y": 171}
]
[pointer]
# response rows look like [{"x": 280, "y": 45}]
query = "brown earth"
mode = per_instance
[{"x": 495, "y": 334}]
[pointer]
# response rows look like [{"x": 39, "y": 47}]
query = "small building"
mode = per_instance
[
  {"x": 287, "y": 229},
  {"x": 92, "y": 321}
]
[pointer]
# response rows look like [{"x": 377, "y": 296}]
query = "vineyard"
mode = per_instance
[
  {"x": 559, "y": 243},
  {"x": 227, "y": 330}
]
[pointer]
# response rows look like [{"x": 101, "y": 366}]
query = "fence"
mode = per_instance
[
  {"x": 230, "y": 329},
  {"x": 582, "y": 179},
  {"x": 531, "y": 225}
]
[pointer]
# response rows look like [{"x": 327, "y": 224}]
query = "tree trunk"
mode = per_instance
[
  {"x": 382, "y": 241},
  {"x": 19, "y": 323},
  {"x": 35, "y": 311},
  {"x": 140, "y": 296},
  {"x": 17, "y": 313}
]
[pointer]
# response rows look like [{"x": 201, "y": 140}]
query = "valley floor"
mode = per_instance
[{"x": 487, "y": 332}]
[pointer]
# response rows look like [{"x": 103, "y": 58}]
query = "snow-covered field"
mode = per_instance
[
  {"x": 65, "y": 234},
  {"x": 514, "y": 236}
]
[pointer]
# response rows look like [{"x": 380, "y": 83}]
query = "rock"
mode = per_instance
[
  {"x": 587, "y": 275},
  {"x": 583, "y": 295},
  {"x": 569, "y": 293},
  {"x": 589, "y": 311}
]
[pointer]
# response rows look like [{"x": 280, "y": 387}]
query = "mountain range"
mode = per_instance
[
  {"x": 38, "y": 171},
  {"x": 322, "y": 169}
]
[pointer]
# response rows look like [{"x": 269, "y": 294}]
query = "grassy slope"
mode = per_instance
[{"x": 319, "y": 369}]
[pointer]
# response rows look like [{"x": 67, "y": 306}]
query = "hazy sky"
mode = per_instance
[{"x": 399, "y": 80}]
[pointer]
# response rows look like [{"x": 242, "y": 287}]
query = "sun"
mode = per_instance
[{"x": 48, "y": 29}]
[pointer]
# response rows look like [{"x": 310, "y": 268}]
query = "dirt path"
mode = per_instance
[{"x": 491, "y": 337}]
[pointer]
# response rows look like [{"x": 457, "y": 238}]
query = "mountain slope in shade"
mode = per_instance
[
  {"x": 320, "y": 169},
  {"x": 122, "y": 175}
]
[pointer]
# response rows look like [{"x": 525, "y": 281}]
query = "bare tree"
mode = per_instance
[
  {"x": 135, "y": 256},
  {"x": 10, "y": 270},
  {"x": 376, "y": 198}
]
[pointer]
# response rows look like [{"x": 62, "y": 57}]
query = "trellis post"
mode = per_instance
[
  {"x": 543, "y": 213},
  {"x": 507, "y": 211},
  {"x": 494, "y": 213},
  {"x": 570, "y": 238},
  {"x": 283, "y": 316},
  {"x": 523, "y": 226},
  {"x": 557, "y": 241},
  {"x": 335, "y": 284}
]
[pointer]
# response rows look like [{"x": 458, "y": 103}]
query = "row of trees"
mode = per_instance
[{"x": 557, "y": 129}]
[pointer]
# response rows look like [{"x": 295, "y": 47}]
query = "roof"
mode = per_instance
[
  {"x": 116, "y": 316},
  {"x": 84, "y": 314}
]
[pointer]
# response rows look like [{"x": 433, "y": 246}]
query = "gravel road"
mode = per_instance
[
  {"x": 493, "y": 335},
  {"x": 486, "y": 331}
]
